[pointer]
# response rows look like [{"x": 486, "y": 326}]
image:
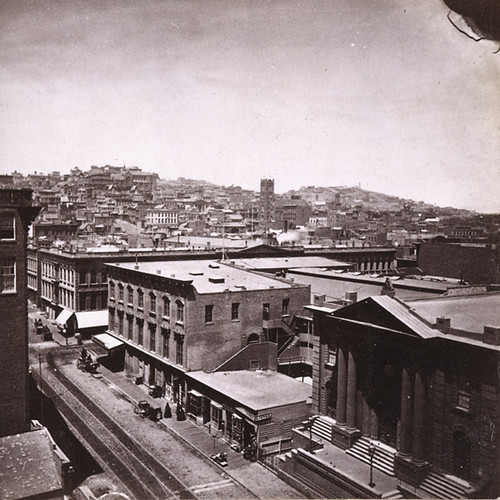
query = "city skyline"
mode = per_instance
[{"x": 325, "y": 94}]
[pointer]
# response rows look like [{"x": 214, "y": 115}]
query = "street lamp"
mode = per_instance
[
  {"x": 371, "y": 451},
  {"x": 308, "y": 424}
]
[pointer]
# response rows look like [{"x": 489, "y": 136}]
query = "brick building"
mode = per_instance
[
  {"x": 16, "y": 214},
  {"x": 175, "y": 317},
  {"x": 416, "y": 383},
  {"x": 471, "y": 262}
]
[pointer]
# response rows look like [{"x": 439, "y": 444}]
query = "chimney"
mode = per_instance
[
  {"x": 319, "y": 300},
  {"x": 352, "y": 297},
  {"x": 491, "y": 335},
  {"x": 443, "y": 324},
  {"x": 388, "y": 288}
]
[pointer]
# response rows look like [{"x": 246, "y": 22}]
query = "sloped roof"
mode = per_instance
[
  {"x": 28, "y": 466},
  {"x": 64, "y": 316},
  {"x": 398, "y": 310},
  {"x": 92, "y": 319}
]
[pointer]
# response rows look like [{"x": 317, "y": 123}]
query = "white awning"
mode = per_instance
[
  {"x": 107, "y": 341},
  {"x": 63, "y": 316},
  {"x": 195, "y": 393},
  {"x": 92, "y": 319}
]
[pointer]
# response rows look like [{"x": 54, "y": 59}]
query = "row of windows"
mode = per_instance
[
  {"x": 235, "y": 310},
  {"x": 129, "y": 299},
  {"x": 163, "y": 349},
  {"x": 209, "y": 312},
  {"x": 95, "y": 277}
]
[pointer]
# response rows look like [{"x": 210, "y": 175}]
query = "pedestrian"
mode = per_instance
[{"x": 168, "y": 412}]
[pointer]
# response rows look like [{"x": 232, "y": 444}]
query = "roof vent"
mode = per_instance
[
  {"x": 243, "y": 287},
  {"x": 216, "y": 279},
  {"x": 196, "y": 273},
  {"x": 214, "y": 266},
  {"x": 443, "y": 324},
  {"x": 158, "y": 271}
]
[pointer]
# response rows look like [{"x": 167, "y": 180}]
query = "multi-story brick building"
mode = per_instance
[
  {"x": 415, "y": 383},
  {"x": 184, "y": 316},
  {"x": 16, "y": 214}
]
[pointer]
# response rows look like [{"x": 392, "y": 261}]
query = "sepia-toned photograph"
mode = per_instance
[{"x": 249, "y": 249}]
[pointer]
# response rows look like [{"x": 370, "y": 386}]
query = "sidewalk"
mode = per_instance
[{"x": 253, "y": 476}]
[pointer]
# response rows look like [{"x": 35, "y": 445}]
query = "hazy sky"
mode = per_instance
[{"x": 327, "y": 92}]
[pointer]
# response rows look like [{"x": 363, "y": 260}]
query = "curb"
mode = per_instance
[{"x": 182, "y": 439}]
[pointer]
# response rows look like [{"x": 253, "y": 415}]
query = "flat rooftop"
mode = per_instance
[
  {"x": 272, "y": 263},
  {"x": 470, "y": 313},
  {"x": 425, "y": 283},
  {"x": 28, "y": 466},
  {"x": 208, "y": 276},
  {"x": 322, "y": 283},
  {"x": 255, "y": 389}
]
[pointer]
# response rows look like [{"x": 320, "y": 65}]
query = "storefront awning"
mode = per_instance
[
  {"x": 91, "y": 319},
  {"x": 64, "y": 316},
  {"x": 107, "y": 341}
]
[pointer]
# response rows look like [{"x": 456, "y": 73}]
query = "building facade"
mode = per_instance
[
  {"x": 418, "y": 381},
  {"x": 16, "y": 214},
  {"x": 182, "y": 316}
]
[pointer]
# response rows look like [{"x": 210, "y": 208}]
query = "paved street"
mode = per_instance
[{"x": 182, "y": 447}]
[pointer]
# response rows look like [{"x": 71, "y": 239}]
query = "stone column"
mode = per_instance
[
  {"x": 418, "y": 419},
  {"x": 351, "y": 392},
  {"x": 406, "y": 414},
  {"x": 341, "y": 386}
]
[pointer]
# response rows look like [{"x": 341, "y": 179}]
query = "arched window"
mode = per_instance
[
  {"x": 253, "y": 338},
  {"x": 152, "y": 303},
  {"x": 166, "y": 307},
  {"x": 180, "y": 311}
]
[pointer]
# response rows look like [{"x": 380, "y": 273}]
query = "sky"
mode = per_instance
[{"x": 382, "y": 93}]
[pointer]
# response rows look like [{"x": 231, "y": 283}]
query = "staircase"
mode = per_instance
[
  {"x": 322, "y": 428},
  {"x": 383, "y": 459},
  {"x": 445, "y": 486}
]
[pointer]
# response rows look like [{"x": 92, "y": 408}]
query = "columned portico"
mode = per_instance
[
  {"x": 345, "y": 432},
  {"x": 406, "y": 414},
  {"x": 410, "y": 464},
  {"x": 341, "y": 387},
  {"x": 351, "y": 393}
]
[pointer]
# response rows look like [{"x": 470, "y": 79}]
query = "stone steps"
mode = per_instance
[
  {"x": 443, "y": 486},
  {"x": 322, "y": 428},
  {"x": 383, "y": 458}
]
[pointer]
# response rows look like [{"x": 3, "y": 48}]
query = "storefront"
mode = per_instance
[{"x": 246, "y": 407}]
